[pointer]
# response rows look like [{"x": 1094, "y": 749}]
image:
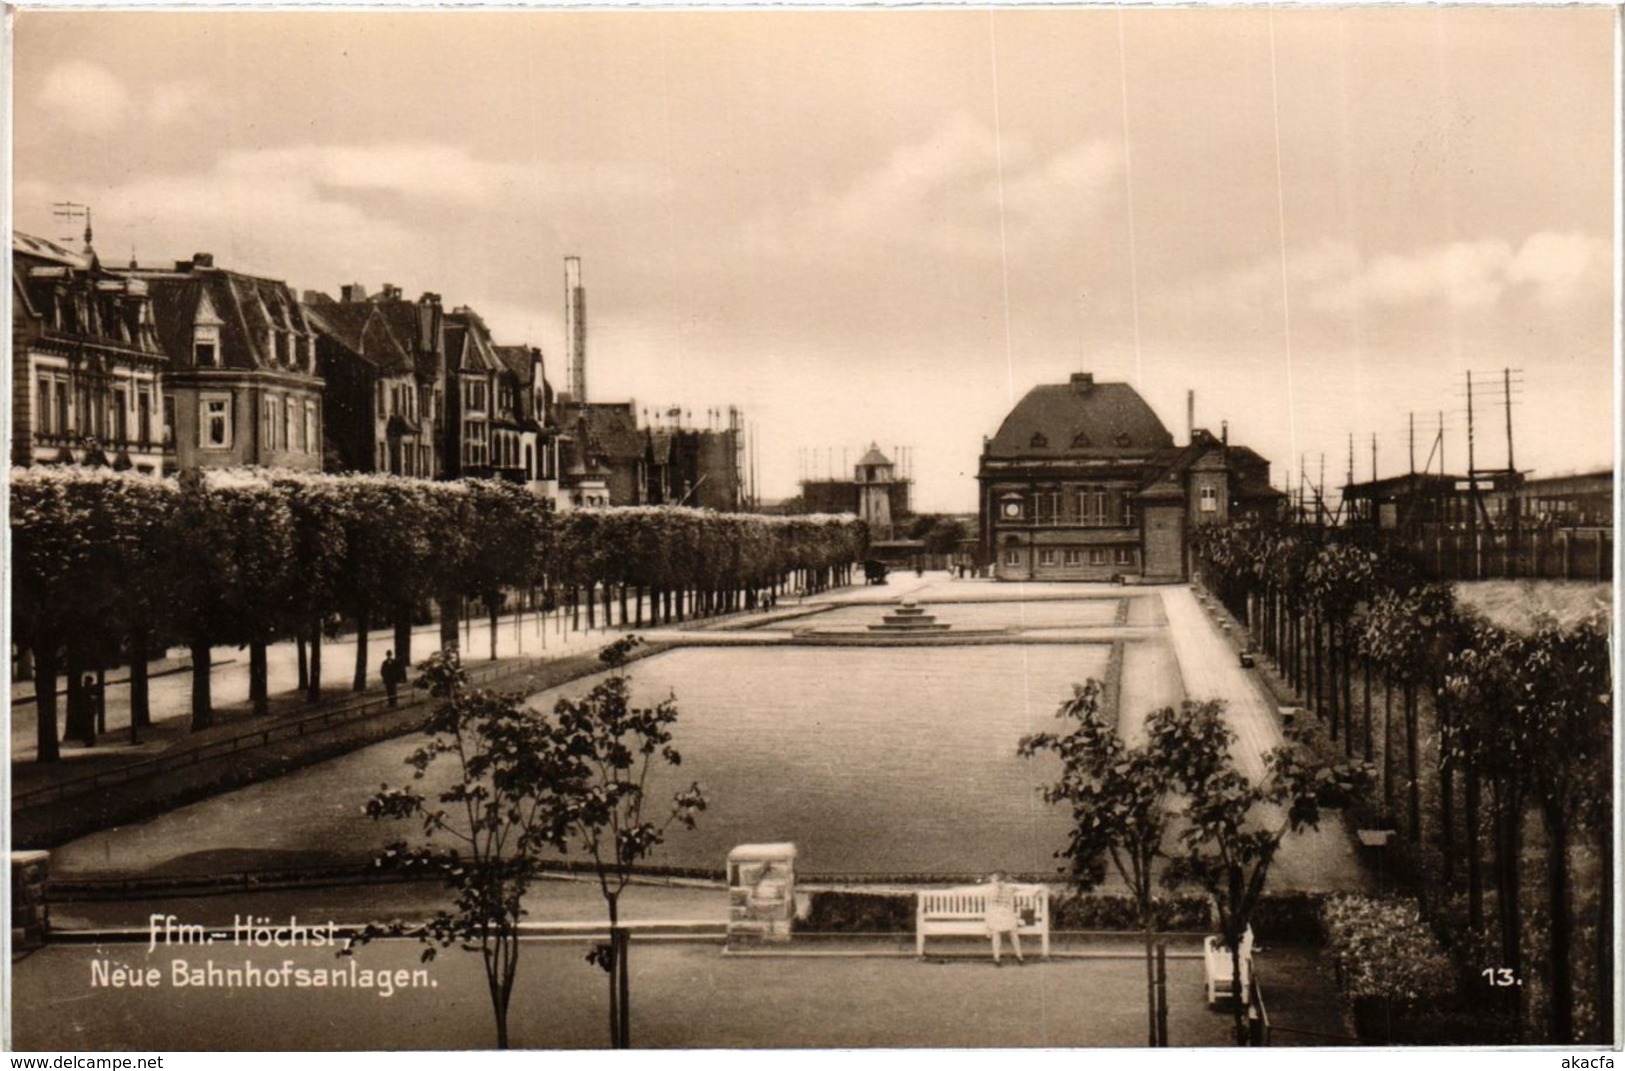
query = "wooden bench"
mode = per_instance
[
  {"x": 962, "y": 912},
  {"x": 1220, "y": 970}
]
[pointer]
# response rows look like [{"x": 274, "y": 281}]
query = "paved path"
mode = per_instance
[
  {"x": 1211, "y": 670},
  {"x": 684, "y": 994},
  {"x": 1313, "y": 859}
]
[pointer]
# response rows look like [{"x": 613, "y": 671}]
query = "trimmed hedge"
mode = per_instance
[
  {"x": 1104, "y": 911},
  {"x": 1291, "y": 918},
  {"x": 834, "y": 911}
]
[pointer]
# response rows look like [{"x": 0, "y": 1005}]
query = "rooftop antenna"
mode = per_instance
[{"x": 75, "y": 210}]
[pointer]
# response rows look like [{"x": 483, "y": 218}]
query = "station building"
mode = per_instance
[{"x": 1083, "y": 482}]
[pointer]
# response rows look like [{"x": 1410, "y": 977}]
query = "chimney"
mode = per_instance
[
  {"x": 350, "y": 293},
  {"x": 203, "y": 260},
  {"x": 1083, "y": 382},
  {"x": 390, "y": 292},
  {"x": 429, "y": 323},
  {"x": 1190, "y": 416},
  {"x": 1224, "y": 432},
  {"x": 575, "y": 328}
]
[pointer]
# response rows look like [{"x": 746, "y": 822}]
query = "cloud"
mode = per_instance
[
  {"x": 944, "y": 194},
  {"x": 175, "y": 101},
  {"x": 1332, "y": 277},
  {"x": 85, "y": 97},
  {"x": 1552, "y": 267},
  {"x": 90, "y": 99}
]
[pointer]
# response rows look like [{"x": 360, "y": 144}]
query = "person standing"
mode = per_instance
[
  {"x": 1001, "y": 915},
  {"x": 391, "y": 672}
]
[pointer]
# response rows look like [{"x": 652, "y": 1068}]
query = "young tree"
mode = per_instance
[
  {"x": 1121, "y": 808},
  {"x": 603, "y": 749},
  {"x": 1234, "y": 826},
  {"x": 485, "y": 832}
]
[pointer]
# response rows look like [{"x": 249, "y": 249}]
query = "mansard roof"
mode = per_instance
[{"x": 1080, "y": 419}]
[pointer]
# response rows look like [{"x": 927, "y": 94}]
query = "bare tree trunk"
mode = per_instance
[
  {"x": 140, "y": 688},
  {"x": 403, "y": 636},
  {"x": 304, "y": 662},
  {"x": 363, "y": 622},
  {"x": 1560, "y": 999},
  {"x": 258, "y": 678},
  {"x": 202, "y": 702},
  {"x": 313, "y": 693},
  {"x": 45, "y": 683}
]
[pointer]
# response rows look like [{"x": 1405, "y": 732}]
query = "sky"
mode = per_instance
[{"x": 888, "y": 226}]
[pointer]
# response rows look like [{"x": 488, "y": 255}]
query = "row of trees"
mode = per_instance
[
  {"x": 1522, "y": 718},
  {"x": 111, "y": 566}
]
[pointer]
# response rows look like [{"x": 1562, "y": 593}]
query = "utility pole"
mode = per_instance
[
  {"x": 1472, "y": 484},
  {"x": 1320, "y": 495}
]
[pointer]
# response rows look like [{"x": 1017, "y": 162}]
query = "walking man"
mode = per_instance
[{"x": 391, "y": 672}]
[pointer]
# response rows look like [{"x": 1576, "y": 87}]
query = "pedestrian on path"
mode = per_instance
[
  {"x": 1001, "y": 914},
  {"x": 391, "y": 672}
]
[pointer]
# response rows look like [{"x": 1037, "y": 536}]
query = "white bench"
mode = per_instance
[
  {"x": 1220, "y": 969},
  {"x": 962, "y": 912}
]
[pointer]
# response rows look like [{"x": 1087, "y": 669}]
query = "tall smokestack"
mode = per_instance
[
  {"x": 1190, "y": 416},
  {"x": 575, "y": 328}
]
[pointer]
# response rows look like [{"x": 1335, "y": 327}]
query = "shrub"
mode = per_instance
[{"x": 1383, "y": 949}]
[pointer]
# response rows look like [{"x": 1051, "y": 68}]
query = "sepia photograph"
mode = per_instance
[{"x": 980, "y": 527}]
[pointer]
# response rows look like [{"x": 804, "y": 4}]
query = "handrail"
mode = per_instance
[{"x": 348, "y": 710}]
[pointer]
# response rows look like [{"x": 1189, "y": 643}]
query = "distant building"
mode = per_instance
[
  {"x": 242, "y": 373},
  {"x": 1431, "y": 501},
  {"x": 876, "y": 493},
  {"x": 524, "y": 400},
  {"x": 1083, "y": 482},
  {"x": 382, "y": 360},
  {"x": 694, "y": 466},
  {"x": 86, "y": 363}
]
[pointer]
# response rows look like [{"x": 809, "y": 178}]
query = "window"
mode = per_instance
[
  {"x": 1099, "y": 508},
  {"x": 1012, "y": 557},
  {"x": 1097, "y": 555},
  {"x": 474, "y": 395},
  {"x": 1039, "y": 441},
  {"x": 311, "y": 438},
  {"x": 383, "y": 404},
  {"x": 1074, "y": 557},
  {"x": 1210, "y": 500},
  {"x": 121, "y": 415},
  {"x": 1046, "y": 557},
  {"x": 268, "y": 422},
  {"x": 214, "y": 422},
  {"x": 143, "y": 417},
  {"x": 169, "y": 420},
  {"x": 1124, "y": 556},
  {"x": 206, "y": 345},
  {"x": 289, "y": 413},
  {"x": 1128, "y": 511},
  {"x": 44, "y": 417}
]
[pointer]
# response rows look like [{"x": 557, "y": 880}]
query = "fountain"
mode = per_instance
[{"x": 910, "y": 618}]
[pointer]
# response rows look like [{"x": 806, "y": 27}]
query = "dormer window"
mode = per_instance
[
  {"x": 1123, "y": 439},
  {"x": 1081, "y": 439},
  {"x": 1039, "y": 441},
  {"x": 206, "y": 346}
]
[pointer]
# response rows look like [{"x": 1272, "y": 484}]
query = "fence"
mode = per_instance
[
  {"x": 1505, "y": 553},
  {"x": 343, "y": 713}
]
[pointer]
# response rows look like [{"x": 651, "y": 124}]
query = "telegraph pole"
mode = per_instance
[{"x": 1472, "y": 484}]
